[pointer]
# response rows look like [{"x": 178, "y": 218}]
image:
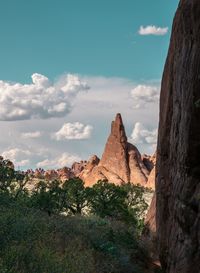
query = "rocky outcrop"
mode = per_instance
[
  {"x": 77, "y": 167},
  {"x": 65, "y": 173},
  {"x": 149, "y": 161},
  {"x": 88, "y": 174},
  {"x": 115, "y": 155},
  {"x": 39, "y": 173},
  {"x": 51, "y": 175},
  {"x": 151, "y": 179},
  {"x": 120, "y": 162},
  {"x": 178, "y": 155},
  {"x": 150, "y": 221}
]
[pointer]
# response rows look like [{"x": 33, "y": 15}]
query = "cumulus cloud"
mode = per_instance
[
  {"x": 19, "y": 157},
  {"x": 98, "y": 107},
  {"x": 143, "y": 94},
  {"x": 40, "y": 99},
  {"x": 141, "y": 135},
  {"x": 28, "y": 135},
  {"x": 65, "y": 159},
  {"x": 153, "y": 30},
  {"x": 74, "y": 130},
  {"x": 24, "y": 158}
]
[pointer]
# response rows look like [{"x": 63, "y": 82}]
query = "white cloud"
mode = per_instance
[
  {"x": 35, "y": 134},
  {"x": 143, "y": 94},
  {"x": 141, "y": 135},
  {"x": 29, "y": 158},
  {"x": 96, "y": 107},
  {"x": 40, "y": 99},
  {"x": 19, "y": 157},
  {"x": 61, "y": 161},
  {"x": 74, "y": 130},
  {"x": 23, "y": 163},
  {"x": 153, "y": 30}
]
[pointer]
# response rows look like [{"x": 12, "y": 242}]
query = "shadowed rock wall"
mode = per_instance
[{"x": 178, "y": 154}]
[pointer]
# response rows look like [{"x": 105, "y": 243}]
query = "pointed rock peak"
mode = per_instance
[
  {"x": 118, "y": 118},
  {"x": 117, "y": 129},
  {"x": 94, "y": 159}
]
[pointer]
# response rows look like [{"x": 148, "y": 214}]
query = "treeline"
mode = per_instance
[
  {"x": 120, "y": 202},
  {"x": 69, "y": 228}
]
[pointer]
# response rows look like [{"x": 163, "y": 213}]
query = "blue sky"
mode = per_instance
[
  {"x": 89, "y": 37},
  {"x": 87, "y": 61}
]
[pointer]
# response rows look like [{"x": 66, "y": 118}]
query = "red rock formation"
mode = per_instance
[
  {"x": 150, "y": 220},
  {"x": 92, "y": 172},
  {"x": 178, "y": 158},
  {"x": 115, "y": 157},
  {"x": 91, "y": 163},
  {"x": 120, "y": 162},
  {"x": 39, "y": 173},
  {"x": 77, "y": 167},
  {"x": 51, "y": 175},
  {"x": 138, "y": 172},
  {"x": 65, "y": 174},
  {"x": 151, "y": 179},
  {"x": 149, "y": 161}
]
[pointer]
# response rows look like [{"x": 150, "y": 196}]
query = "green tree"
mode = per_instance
[
  {"x": 109, "y": 200},
  {"x": 46, "y": 197},
  {"x": 74, "y": 194},
  {"x": 7, "y": 176},
  {"x": 11, "y": 182},
  {"x": 135, "y": 199}
]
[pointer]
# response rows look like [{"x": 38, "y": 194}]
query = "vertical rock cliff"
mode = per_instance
[{"x": 178, "y": 156}]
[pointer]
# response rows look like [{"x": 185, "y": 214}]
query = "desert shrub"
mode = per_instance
[
  {"x": 120, "y": 202},
  {"x": 31, "y": 241},
  {"x": 35, "y": 237}
]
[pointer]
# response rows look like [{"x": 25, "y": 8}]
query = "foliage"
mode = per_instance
[
  {"x": 46, "y": 197},
  {"x": 97, "y": 234},
  {"x": 31, "y": 241},
  {"x": 125, "y": 203},
  {"x": 75, "y": 196},
  {"x": 109, "y": 200}
]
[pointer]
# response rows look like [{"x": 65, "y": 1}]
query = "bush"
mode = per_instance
[
  {"x": 36, "y": 238},
  {"x": 30, "y": 241}
]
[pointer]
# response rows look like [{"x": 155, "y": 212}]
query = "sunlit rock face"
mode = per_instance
[
  {"x": 77, "y": 167},
  {"x": 120, "y": 162},
  {"x": 178, "y": 154},
  {"x": 51, "y": 175},
  {"x": 65, "y": 173}
]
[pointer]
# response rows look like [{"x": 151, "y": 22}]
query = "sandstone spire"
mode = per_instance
[
  {"x": 120, "y": 162},
  {"x": 115, "y": 156}
]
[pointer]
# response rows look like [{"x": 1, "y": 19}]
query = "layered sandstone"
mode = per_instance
[{"x": 178, "y": 155}]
